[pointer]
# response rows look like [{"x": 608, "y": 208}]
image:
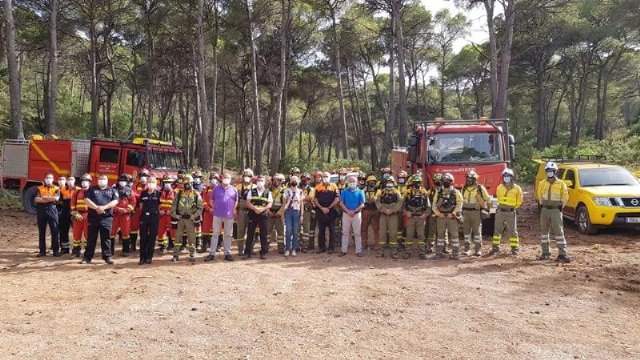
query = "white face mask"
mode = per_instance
[
  {"x": 167, "y": 186},
  {"x": 197, "y": 181},
  {"x": 226, "y": 181},
  {"x": 247, "y": 179},
  {"x": 122, "y": 183},
  {"x": 62, "y": 183},
  {"x": 260, "y": 184},
  {"x": 353, "y": 186},
  {"x": 85, "y": 184},
  {"x": 152, "y": 186},
  {"x": 507, "y": 180},
  {"x": 143, "y": 180},
  {"x": 551, "y": 174},
  {"x": 71, "y": 182},
  {"x": 103, "y": 182},
  {"x": 213, "y": 182},
  {"x": 326, "y": 180},
  {"x": 342, "y": 177},
  {"x": 48, "y": 181}
]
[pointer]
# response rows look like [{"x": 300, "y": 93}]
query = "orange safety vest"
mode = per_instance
[{"x": 77, "y": 202}]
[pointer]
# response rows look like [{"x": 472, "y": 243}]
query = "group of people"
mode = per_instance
[{"x": 184, "y": 213}]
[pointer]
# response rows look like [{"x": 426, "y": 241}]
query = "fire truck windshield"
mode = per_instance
[
  {"x": 465, "y": 148},
  {"x": 165, "y": 160}
]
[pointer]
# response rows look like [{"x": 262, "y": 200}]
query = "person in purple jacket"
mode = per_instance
[{"x": 224, "y": 200}]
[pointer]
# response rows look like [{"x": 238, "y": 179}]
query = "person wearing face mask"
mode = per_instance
[
  {"x": 293, "y": 205},
  {"x": 138, "y": 188},
  {"x": 386, "y": 174},
  {"x": 352, "y": 201},
  {"x": 187, "y": 209},
  {"x": 122, "y": 215},
  {"x": 242, "y": 218},
  {"x": 341, "y": 184},
  {"x": 403, "y": 178},
  {"x": 197, "y": 186},
  {"x": 207, "y": 217},
  {"x": 47, "y": 214},
  {"x": 476, "y": 200},
  {"x": 552, "y": 194},
  {"x": 370, "y": 214},
  {"x": 432, "y": 224},
  {"x": 447, "y": 207},
  {"x": 326, "y": 199},
  {"x": 362, "y": 180},
  {"x": 295, "y": 171},
  {"x": 100, "y": 200},
  {"x": 67, "y": 191},
  {"x": 276, "y": 213},
  {"x": 223, "y": 202},
  {"x": 79, "y": 216},
  {"x": 389, "y": 203},
  {"x": 149, "y": 205},
  {"x": 259, "y": 202},
  {"x": 510, "y": 198},
  {"x": 416, "y": 209},
  {"x": 309, "y": 214},
  {"x": 166, "y": 224}
]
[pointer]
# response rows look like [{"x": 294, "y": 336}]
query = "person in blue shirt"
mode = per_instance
[{"x": 351, "y": 202}]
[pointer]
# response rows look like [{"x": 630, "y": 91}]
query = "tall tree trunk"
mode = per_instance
[
  {"x": 489, "y": 6},
  {"x": 443, "y": 66},
  {"x": 368, "y": 125},
  {"x": 257, "y": 146},
  {"x": 344, "y": 143},
  {"x": 52, "y": 96},
  {"x": 542, "y": 113},
  {"x": 151, "y": 75},
  {"x": 500, "y": 111},
  {"x": 214, "y": 95},
  {"x": 403, "y": 121},
  {"x": 204, "y": 151},
  {"x": 14, "y": 73},
  {"x": 95, "y": 78},
  {"x": 387, "y": 144},
  {"x": 274, "y": 163}
]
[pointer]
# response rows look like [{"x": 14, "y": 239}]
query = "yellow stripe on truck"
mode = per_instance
[{"x": 46, "y": 158}]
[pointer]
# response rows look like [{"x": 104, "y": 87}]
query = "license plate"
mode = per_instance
[{"x": 633, "y": 220}]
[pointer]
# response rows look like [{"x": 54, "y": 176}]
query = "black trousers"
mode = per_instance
[
  {"x": 101, "y": 226},
  {"x": 48, "y": 215},
  {"x": 263, "y": 223},
  {"x": 65, "y": 225},
  {"x": 326, "y": 222},
  {"x": 148, "y": 234}
]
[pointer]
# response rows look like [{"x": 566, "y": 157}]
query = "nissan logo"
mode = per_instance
[{"x": 635, "y": 202}]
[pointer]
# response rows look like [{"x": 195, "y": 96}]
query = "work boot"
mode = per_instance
[
  {"x": 192, "y": 259},
  {"x": 544, "y": 256},
  {"x": 563, "y": 258},
  {"x": 134, "y": 239},
  {"x": 64, "y": 251},
  {"x": 240, "y": 248},
  {"x": 494, "y": 250},
  {"x": 438, "y": 256},
  {"x": 199, "y": 244},
  {"x": 406, "y": 255},
  {"x": 422, "y": 256},
  {"x": 455, "y": 254},
  {"x": 477, "y": 251},
  {"x": 75, "y": 252},
  {"x": 515, "y": 251},
  {"x": 209, "y": 257},
  {"x": 108, "y": 261},
  {"x": 455, "y": 257},
  {"x": 163, "y": 250},
  {"x": 228, "y": 257},
  {"x": 175, "y": 258},
  {"x": 467, "y": 252}
]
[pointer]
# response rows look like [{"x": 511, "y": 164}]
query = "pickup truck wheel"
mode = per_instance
[
  {"x": 29, "y": 199},
  {"x": 583, "y": 222}
]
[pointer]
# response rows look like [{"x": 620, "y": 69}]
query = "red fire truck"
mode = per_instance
[
  {"x": 456, "y": 147},
  {"x": 25, "y": 163}
]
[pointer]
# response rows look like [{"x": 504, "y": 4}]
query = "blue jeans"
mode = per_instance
[{"x": 292, "y": 227}]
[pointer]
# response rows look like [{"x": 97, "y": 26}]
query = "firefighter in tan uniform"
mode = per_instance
[
  {"x": 242, "y": 219},
  {"x": 447, "y": 207},
  {"x": 389, "y": 203},
  {"x": 416, "y": 209},
  {"x": 276, "y": 213},
  {"x": 403, "y": 183},
  {"x": 509, "y": 201},
  {"x": 552, "y": 194},
  {"x": 432, "y": 224},
  {"x": 309, "y": 215},
  {"x": 187, "y": 209},
  {"x": 476, "y": 202},
  {"x": 370, "y": 214}
]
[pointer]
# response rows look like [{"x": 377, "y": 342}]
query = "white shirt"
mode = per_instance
[{"x": 294, "y": 199}]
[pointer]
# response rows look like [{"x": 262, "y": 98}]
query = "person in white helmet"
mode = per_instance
[
  {"x": 552, "y": 195},
  {"x": 509, "y": 201}
]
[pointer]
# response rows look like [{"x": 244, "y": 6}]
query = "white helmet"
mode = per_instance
[
  {"x": 507, "y": 172},
  {"x": 551, "y": 166}
]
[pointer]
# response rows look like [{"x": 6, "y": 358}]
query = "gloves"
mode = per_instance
[{"x": 78, "y": 217}]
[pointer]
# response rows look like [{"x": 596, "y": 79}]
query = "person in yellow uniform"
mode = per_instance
[
  {"x": 447, "y": 207},
  {"x": 552, "y": 194},
  {"x": 389, "y": 203},
  {"x": 242, "y": 217},
  {"x": 432, "y": 224},
  {"x": 509, "y": 201},
  {"x": 476, "y": 200},
  {"x": 276, "y": 213},
  {"x": 403, "y": 182},
  {"x": 416, "y": 210}
]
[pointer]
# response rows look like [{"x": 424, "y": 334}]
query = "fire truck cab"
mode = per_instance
[
  {"x": 457, "y": 147},
  {"x": 25, "y": 163}
]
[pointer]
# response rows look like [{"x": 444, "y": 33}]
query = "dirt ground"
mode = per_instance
[{"x": 322, "y": 306}]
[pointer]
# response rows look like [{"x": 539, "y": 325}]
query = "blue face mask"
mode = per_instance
[{"x": 507, "y": 180}]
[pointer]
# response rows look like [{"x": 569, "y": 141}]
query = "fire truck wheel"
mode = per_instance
[{"x": 28, "y": 199}]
